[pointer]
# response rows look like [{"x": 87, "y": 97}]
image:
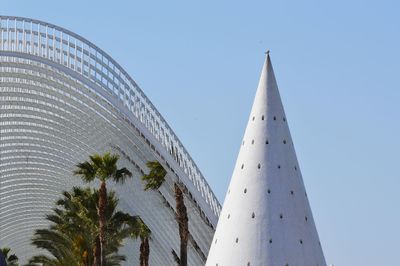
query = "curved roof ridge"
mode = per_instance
[{"x": 112, "y": 81}]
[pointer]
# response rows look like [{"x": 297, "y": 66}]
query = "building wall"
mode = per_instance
[{"x": 61, "y": 99}]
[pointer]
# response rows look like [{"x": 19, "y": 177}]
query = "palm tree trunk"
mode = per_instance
[
  {"x": 96, "y": 252},
  {"x": 182, "y": 223},
  {"x": 142, "y": 252},
  {"x": 102, "y": 221},
  {"x": 147, "y": 251}
]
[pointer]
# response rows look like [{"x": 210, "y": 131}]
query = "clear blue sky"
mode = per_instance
[{"x": 337, "y": 64}]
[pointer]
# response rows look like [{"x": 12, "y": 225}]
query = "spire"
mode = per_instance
[{"x": 266, "y": 218}]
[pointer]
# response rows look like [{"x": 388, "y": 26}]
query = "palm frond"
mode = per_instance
[
  {"x": 121, "y": 175},
  {"x": 102, "y": 167},
  {"x": 74, "y": 230},
  {"x": 156, "y": 176},
  {"x": 86, "y": 171},
  {"x": 11, "y": 259}
]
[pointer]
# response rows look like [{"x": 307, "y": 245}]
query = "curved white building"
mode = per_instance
[
  {"x": 63, "y": 98},
  {"x": 266, "y": 218}
]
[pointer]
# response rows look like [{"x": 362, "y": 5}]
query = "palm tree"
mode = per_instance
[
  {"x": 102, "y": 167},
  {"x": 11, "y": 259},
  {"x": 144, "y": 245},
  {"x": 140, "y": 230},
  {"x": 153, "y": 180},
  {"x": 73, "y": 236}
]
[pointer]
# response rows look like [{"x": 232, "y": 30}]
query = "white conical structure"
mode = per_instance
[{"x": 266, "y": 218}]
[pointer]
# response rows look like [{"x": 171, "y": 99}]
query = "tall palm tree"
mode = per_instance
[
  {"x": 140, "y": 230},
  {"x": 153, "y": 180},
  {"x": 103, "y": 168},
  {"x": 11, "y": 259},
  {"x": 73, "y": 236}
]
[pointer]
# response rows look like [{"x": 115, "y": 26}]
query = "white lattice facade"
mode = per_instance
[
  {"x": 266, "y": 218},
  {"x": 61, "y": 99}
]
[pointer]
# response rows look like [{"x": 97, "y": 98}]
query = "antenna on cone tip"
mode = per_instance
[{"x": 267, "y": 52}]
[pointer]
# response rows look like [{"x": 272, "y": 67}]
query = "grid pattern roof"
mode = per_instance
[{"x": 61, "y": 99}]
